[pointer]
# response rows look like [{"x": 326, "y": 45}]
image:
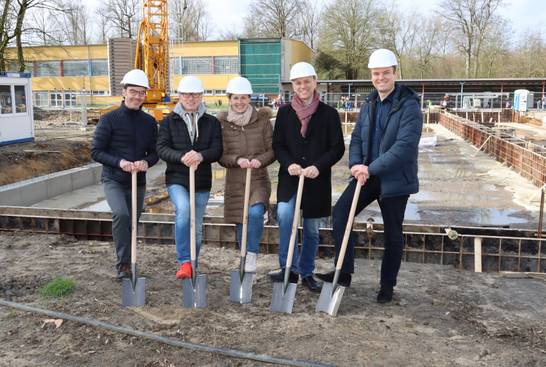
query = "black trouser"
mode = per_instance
[
  {"x": 392, "y": 211},
  {"x": 119, "y": 199}
]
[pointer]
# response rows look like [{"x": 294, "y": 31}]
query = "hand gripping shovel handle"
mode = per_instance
[
  {"x": 192, "y": 224},
  {"x": 294, "y": 233},
  {"x": 346, "y": 235},
  {"x": 245, "y": 222},
  {"x": 133, "y": 226}
]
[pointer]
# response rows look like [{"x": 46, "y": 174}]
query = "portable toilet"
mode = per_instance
[
  {"x": 16, "y": 115},
  {"x": 523, "y": 100}
]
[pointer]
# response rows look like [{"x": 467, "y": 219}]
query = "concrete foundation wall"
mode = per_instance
[{"x": 41, "y": 188}]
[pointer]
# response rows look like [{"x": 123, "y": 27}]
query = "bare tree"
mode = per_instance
[
  {"x": 397, "y": 32},
  {"x": 124, "y": 16},
  {"x": 189, "y": 20},
  {"x": 275, "y": 18},
  {"x": 75, "y": 24},
  {"x": 309, "y": 22},
  {"x": 472, "y": 20},
  {"x": 346, "y": 33}
]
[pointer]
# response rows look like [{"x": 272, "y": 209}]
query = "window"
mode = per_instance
[
  {"x": 219, "y": 92},
  {"x": 20, "y": 99},
  {"x": 48, "y": 68},
  {"x": 56, "y": 100},
  {"x": 196, "y": 65},
  {"x": 5, "y": 99},
  {"x": 75, "y": 68},
  {"x": 99, "y": 67},
  {"x": 208, "y": 92},
  {"x": 226, "y": 65},
  {"x": 41, "y": 99},
  {"x": 70, "y": 100}
]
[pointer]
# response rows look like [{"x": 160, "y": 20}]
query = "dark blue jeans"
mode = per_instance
[{"x": 392, "y": 211}]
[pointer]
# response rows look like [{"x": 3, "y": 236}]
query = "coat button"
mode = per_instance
[{"x": 304, "y": 158}]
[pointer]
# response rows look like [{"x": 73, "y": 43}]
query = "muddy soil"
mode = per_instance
[{"x": 440, "y": 316}]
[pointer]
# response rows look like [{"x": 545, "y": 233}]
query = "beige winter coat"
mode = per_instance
[{"x": 252, "y": 141}]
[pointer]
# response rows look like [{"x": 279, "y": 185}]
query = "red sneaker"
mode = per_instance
[{"x": 184, "y": 271}]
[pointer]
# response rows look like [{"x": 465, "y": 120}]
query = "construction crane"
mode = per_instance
[{"x": 152, "y": 55}]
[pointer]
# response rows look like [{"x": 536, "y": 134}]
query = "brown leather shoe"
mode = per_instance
[{"x": 124, "y": 271}]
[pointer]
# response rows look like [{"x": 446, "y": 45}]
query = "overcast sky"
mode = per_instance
[{"x": 524, "y": 14}]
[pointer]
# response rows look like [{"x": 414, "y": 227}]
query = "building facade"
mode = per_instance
[{"x": 62, "y": 74}]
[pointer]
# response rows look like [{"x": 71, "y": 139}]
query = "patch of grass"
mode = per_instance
[{"x": 58, "y": 287}]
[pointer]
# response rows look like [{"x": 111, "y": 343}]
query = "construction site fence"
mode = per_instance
[
  {"x": 471, "y": 248},
  {"x": 524, "y": 157}
]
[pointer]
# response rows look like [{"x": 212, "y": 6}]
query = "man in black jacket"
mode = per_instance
[
  {"x": 124, "y": 142},
  {"x": 383, "y": 157},
  {"x": 189, "y": 137},
  {"x": 307, "y": 141}
]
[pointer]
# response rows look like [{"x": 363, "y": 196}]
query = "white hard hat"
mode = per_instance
[
  {"x": 136, "y": 77},
  {"x": 302, "y": 69},
  {"x": 382, "y": 58},
  {"x": 239, "y": 85},
  {"x": 190, "y": 84}
]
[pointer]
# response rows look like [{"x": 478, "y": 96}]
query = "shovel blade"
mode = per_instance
[
  {"x": 330, "y": 299},
  {"x": 133, "y": 296},
  {"x": 282, "y": 300},
  {"x": 240, "y": 292},
  {"x": 195, "y": 295}
]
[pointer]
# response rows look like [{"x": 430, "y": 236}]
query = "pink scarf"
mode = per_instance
[{"x": 305, "y": 112}]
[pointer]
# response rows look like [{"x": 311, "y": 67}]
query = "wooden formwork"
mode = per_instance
[{"x": 524, "y": 157}]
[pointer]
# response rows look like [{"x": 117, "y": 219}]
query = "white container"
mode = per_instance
[{"x": 16, "y": 114}]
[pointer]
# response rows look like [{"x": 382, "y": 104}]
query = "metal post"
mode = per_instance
[
  {"x": 84, "y": 110},
  {"x": 462, "y": 88},
  {"x": 541, "y": 214}
]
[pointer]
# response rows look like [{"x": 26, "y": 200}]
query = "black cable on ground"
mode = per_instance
[{"x": 165, "y": 340}]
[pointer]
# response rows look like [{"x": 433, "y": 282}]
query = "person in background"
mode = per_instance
[
  {"x": 125, "y": 142},
  {"x": 247, "y": 137},
  {"x": 189, "y": 136}
]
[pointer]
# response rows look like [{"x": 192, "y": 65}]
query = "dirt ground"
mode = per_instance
[
  {"x": 440, "y": 316},
  {"x": 57, "y": 147}
]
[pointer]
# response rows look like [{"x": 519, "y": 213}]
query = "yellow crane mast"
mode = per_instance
[{"x": 152, "y": 54}]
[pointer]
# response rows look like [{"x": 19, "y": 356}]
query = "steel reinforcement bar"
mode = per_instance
[
  {"x": 526, "y": 158},
  {"x": 502, "y": 249}
]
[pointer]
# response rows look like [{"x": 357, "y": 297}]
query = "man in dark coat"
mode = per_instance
[
  {"x": 307, "y": 141},
  {"x": 189, "y": 137},
  {"x": 124, "y": 142},
  {"x": 382, "y": 157}
]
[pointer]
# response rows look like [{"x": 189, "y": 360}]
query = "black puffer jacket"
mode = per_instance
[
  {"x": 124, "y": 134},
  {"x": 174, "y": 141}
]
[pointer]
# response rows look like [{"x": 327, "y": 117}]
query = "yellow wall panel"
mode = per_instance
[
  {"x": 74, "y": 83},
  {"x": 207, "y": 48},
  {"x": 300, "y": 52},
  {"x": 61, "y": 53},
  {"x": 210, "y": 81}
]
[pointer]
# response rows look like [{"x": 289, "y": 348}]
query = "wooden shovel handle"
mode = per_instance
[
  {"x": 192, "y": 214},
  {"x": 133, "y": 217},
  {"x": 245, "y": 212},
  {"x": 295, "y": 222},
  {"x": 348, "y": 227}
]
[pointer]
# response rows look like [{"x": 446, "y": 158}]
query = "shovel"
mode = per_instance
[
  {"x": 133, "y": 290},
  {"x": 284, "y": 293},
  {"x": 330, "y": 296},
  {"x": 194, "y": 290},
  {"x": 240, "y": 289}
]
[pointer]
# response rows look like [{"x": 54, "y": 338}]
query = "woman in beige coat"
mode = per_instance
[{"x": 247, "y": 138}]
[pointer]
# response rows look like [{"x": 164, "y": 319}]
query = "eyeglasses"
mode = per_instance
[
  {"x": 191, "y": 95},
  {"x": 134, "y": 92}
]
